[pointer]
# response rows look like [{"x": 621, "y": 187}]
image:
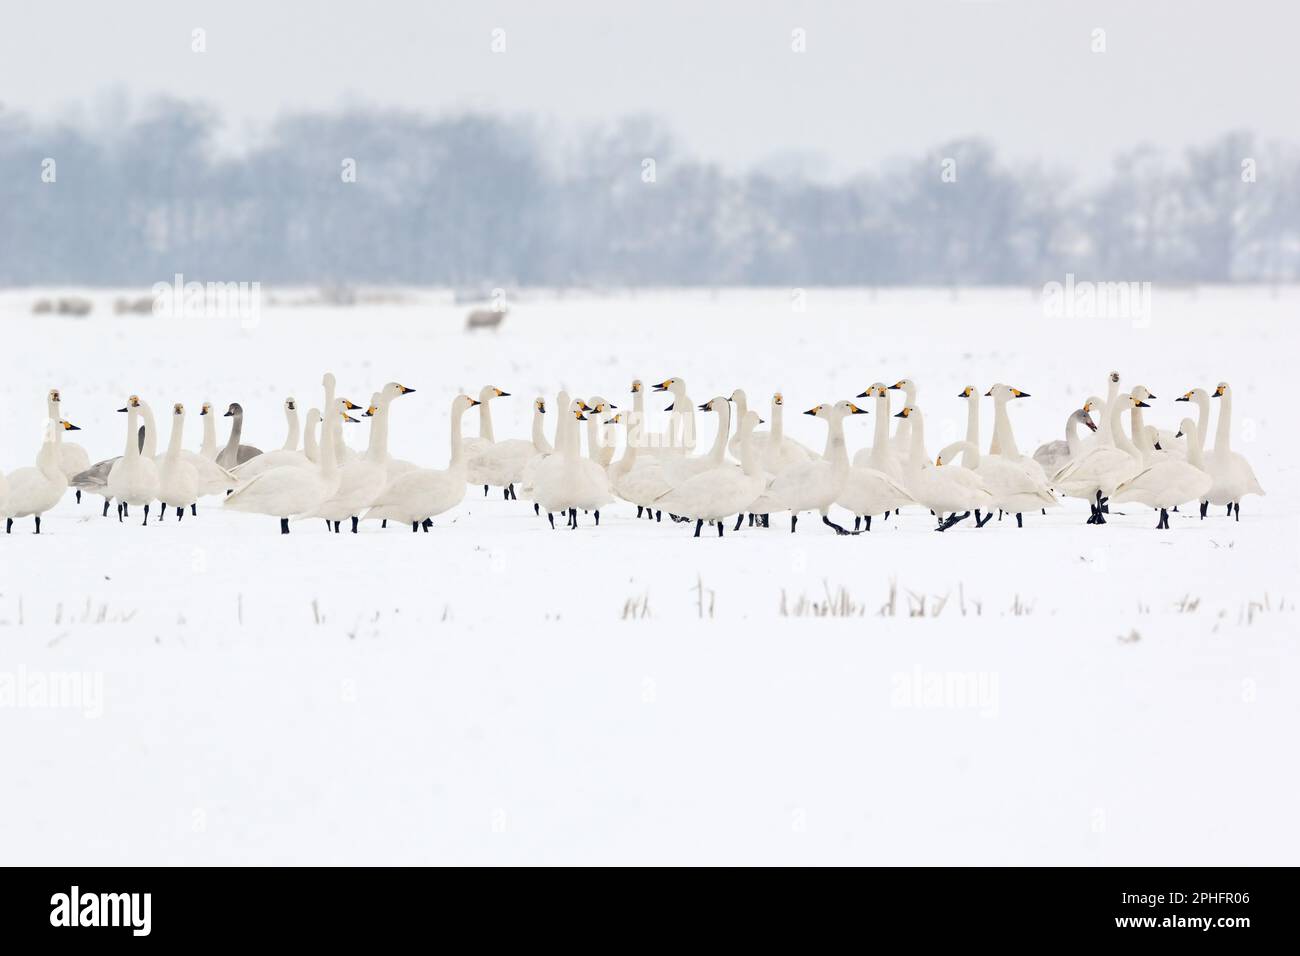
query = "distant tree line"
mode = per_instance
[{"x": 479, "y": 200}]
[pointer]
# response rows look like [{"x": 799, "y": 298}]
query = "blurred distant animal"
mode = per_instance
[
  {"x": 74, "y": 306},
  {"x": 484, "y": 319},
  {"x": 140, "y": 306}
]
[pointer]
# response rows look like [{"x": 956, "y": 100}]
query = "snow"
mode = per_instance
[{"x": 495, "y": 692}]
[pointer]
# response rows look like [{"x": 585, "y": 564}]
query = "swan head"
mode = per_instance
[
  {"x": 351, "y": 406},
  {"x": 1141, "y": 393},
  {"x": 777, "y": 399},
  {"x": 54, "y": 395},
  {"x": 1188, "y": 427},
  {"x": 618, "y": 417},
  {"x": 394, "y": 390},
  {"x": 1136, "y": 402},
  {"x": 904, "y": 383},
  {"x": 1196, "y": 394},
  {"x": 1093, "y": 402},
  {"x": 178, "y": 410},
  {"x": 539, "y": 404},
  {"x": 132, "y": 401},
  {"x": 234, "y": 411},
  {"x": 373, "y": 410},
  {"x": 489, "y": 392},
  {"x": 879, "y": 389},
  {"x": 68, "y": 426},
  {"x": 463, "y": 403},
  {"x": 636, "y": 386},
  {"x": 207, "y": 407},
  {"x": 738, "y": 396},
  {"x": 290, "y": 405},
  {"x": 905, "y": 413},
  {"x": 674, "y": 385},
  {"x": 599, "y": 405},
  {"x": 1221, "y": 389},
  {"x": 714, "y": 404},
  {"x": 582, "y": 406},
  {"x": 1005, "y": 393},
  {"x": 968, "y": 392},
  {"x": 750, "y": 421},
  {"x": 1083, "y": 418},
  {"x": 1113, "y": 377}
]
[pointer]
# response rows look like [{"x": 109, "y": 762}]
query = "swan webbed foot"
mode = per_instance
[{"x": 838, "y": 529}]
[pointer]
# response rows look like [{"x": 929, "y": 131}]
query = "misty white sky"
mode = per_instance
[{"x": 878, "y": 80}]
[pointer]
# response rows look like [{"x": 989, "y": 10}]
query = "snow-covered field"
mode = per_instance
[{"x": 496, "y": 692}]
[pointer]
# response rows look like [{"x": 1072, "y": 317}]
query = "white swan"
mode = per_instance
[
  {"x": 679, "y": 439},
  {"x": 638, "y": 480},
  {"x": 901, "y": 443},
  {"x": 486, "y": 436},
  {"x": 213, "y": 479},
  {"x": 957, "y": 491},
  {"x": 567, "y": 481},
  {"x": 880, "y": 455},
  {"x": 601, "y": 440},
  {"x": 953, "y": 487},
  {"x": 1170, "y": 481},
  {"x": 178, "y": 479},
  {"x": 815, "y": 485},
  {"x": 1016, "y": 487},
  {"x": 1094, "y": 474},
  {"x": 361, "y": 480},
  {"x": 289, "y": 491},
  {"x": 1004, "y": 441},
  {"x": 133, "y": 479},
  {"x": 721, "y": 492},
  {"x": 869, "y": 492},
  {"x": 1233, "y": 477},
  {"x": 72, "y": 457},
  {"x": 1112, "y": 393},
  {"x": 416, "y": 497},
  {"x": 391, "y": 391},
  {"x": 774, "y": 450},
  {"x": 30, "y": 492},
  {"x": 680, "y": 470},
  {"x": 342, "y": 452}
]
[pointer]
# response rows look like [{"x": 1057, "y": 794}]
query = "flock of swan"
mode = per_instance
[{"x": 747, "y": 472}]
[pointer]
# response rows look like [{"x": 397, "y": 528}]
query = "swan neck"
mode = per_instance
[
  {"x": 457, "y": 461},
  {"x": 778, "y": 424},
  {"x": 973, "y": 418},
  {"x": 1002, "y": 435},
  {"x": 1223, "y": 436},
  {"x": 132, "y": 434},
  {"x": 209, "y": 447},
  {"x": 540, "y": 444},
  {"x": 291, "y": 440},
  {"x": 719, "y": 449},
  {"x": 174, "y": 443},
  {"x": 485, "y": 421}
]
